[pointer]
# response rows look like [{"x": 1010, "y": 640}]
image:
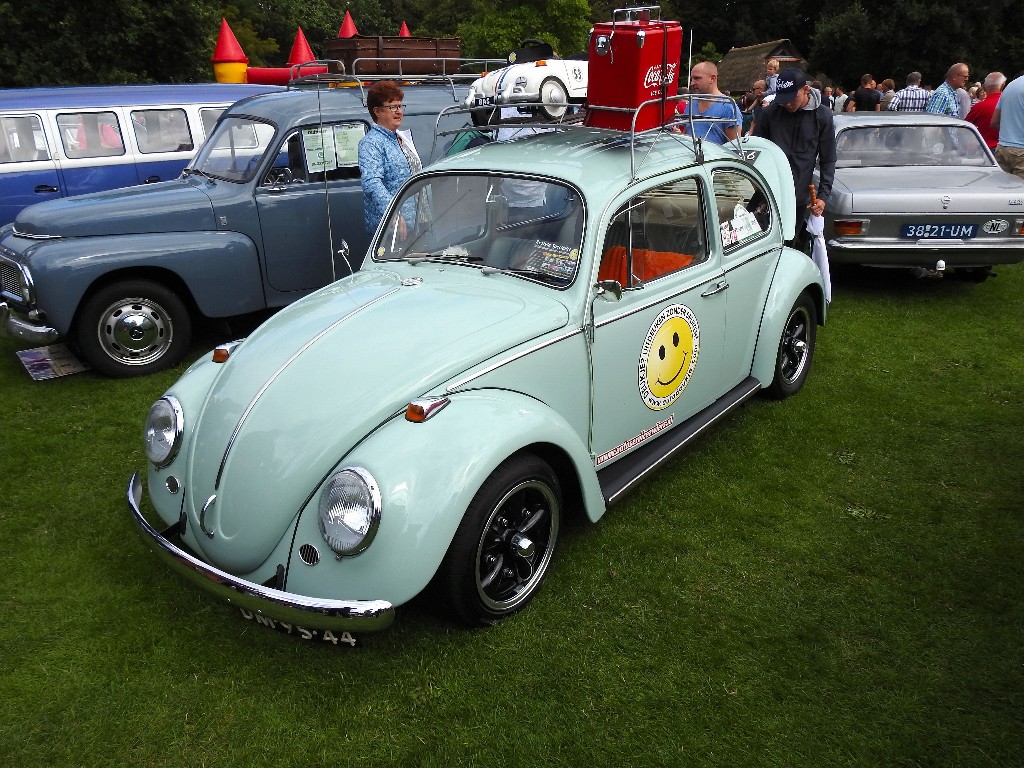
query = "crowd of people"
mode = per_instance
[{"x": 995, "y": 105}]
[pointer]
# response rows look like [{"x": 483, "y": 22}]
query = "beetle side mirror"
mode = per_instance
[{"x": 609, "y": 290}]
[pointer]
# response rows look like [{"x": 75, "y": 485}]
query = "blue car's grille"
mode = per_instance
[{"x": 10, "y": 279}]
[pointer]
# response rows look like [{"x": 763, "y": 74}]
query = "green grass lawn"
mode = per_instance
[{"x": 837, "y": 579}]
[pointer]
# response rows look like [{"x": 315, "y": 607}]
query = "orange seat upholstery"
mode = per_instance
[{"x": 647, "y": 264}]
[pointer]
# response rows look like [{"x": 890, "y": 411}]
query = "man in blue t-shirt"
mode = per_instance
[
  {"x": 1008, "y": 120},
  {"x": 716, "y": 119}
]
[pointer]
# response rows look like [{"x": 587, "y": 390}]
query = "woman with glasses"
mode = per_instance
[{"x": 387, "y": 156}]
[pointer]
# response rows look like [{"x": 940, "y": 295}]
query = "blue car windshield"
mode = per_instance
[
  {"x": 234, "y": 150},
  {"x": 528, "y": 227}
]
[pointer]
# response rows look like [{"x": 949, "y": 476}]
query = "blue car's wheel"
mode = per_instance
[{"x": 504, "y": 545}]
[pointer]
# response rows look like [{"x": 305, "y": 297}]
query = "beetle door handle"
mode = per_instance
[
  {"x": 152, "y": 180},
  {"x": 46, "y": 188},
  {"x": 719, "y": 287}
]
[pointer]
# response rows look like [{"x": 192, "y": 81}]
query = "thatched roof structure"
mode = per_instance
[{"x": 740, "y": 67}]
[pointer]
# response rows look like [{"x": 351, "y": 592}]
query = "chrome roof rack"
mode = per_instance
[{"x": 670, "y": 130}]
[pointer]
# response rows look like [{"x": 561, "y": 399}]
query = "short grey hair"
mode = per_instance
[
  {"x": 994, "y": 81},
  {"x": 914, "y": 78}
]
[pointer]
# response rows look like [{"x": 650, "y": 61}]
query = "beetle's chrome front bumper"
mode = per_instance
[
  {"x": 24, "y": 330},
  {"x": 298, "y": 610}
]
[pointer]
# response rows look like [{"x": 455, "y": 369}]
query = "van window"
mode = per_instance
[
  {"x": 162, "y": 130},
  {"x": 22, "y": 139},
  {"x": 210, "y": 116},
  {"x": 90, "y": 134}
]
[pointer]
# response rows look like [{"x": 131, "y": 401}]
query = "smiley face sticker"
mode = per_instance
[{"x": 669, "y": 356}]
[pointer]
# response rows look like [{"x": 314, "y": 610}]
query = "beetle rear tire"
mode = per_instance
[
  {"x": 796, "y": 349},
  {"x": 504, "y": 545},
  {"x": 554, "y": 97},
  {"x": 133, "y": 328}
]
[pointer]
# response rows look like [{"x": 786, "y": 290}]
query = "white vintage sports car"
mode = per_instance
[{"x": 534, "y": 75}]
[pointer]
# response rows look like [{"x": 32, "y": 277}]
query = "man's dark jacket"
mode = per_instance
[{"x": 806, "y": 136}]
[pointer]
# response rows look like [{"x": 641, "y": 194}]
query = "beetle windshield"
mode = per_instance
[
  {"x": 528, "y": 227},
  {"x": 234, "y": 150},
  {"x": 887, "y": 146}
]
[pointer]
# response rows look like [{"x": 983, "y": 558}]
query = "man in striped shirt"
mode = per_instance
[{"x": 912, "y": 98}]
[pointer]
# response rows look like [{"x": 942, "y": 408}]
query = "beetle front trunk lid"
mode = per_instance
[{"x": 321, "y": 375}]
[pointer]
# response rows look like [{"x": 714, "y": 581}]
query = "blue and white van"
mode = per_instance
[{"x": 57, "y": 142}]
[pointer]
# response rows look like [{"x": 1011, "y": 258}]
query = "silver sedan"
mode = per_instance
[{"x": 922, "y": 191}]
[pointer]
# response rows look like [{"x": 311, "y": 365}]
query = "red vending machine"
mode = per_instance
[{"x": 633, "y": 58}]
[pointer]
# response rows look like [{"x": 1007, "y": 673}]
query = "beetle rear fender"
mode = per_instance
[
  {"x": 794, "y": 274},
  {"x": 428, "y": 473},
  {"x": 220, "y": 270}
]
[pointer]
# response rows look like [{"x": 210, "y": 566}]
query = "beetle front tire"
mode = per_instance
[
  {"x": 504, "y": 545},
  {"x": 133, "y": 328},
  {"x": 796, "y": 349}
]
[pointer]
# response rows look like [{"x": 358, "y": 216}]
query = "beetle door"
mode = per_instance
[{"x": 657, "y": 351}]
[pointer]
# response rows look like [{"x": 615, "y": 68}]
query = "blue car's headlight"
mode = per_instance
[
  {"x": 165, "y": 425},
  {"x": 349, "y": 511}
]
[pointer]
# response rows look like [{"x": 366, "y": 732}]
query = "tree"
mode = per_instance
[{"x": 494, "y": 31}]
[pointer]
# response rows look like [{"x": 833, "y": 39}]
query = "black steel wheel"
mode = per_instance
[
  {"x": 796, "y": 349},
  {"x": 133, "y": 328},
  {"x": 503, "y": 548}
]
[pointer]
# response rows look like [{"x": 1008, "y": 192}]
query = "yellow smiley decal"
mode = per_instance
[{"x": 669, "y": 356}]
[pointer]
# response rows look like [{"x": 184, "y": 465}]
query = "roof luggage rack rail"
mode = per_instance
[
  {"x": 669, "y": 130},
  {"x": 452, "y": 71}
]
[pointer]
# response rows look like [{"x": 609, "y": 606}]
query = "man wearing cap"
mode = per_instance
[{"x": 801, "y": 126}]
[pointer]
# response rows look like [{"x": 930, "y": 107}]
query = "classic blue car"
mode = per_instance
[
  {"x": 269, "y": 210},
  {"x": 538, "y": 325}
]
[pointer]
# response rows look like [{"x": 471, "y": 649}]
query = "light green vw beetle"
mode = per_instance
[{"x": 539, "y": 324}]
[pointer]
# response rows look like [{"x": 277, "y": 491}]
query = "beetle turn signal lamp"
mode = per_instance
[
  {"x": 223, "y": 352},
  {"x": 424, "y": 408}
]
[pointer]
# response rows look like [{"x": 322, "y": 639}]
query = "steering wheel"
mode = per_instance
[{"x": 280, "y": 175}]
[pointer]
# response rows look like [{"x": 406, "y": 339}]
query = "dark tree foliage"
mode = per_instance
[
  {"x": 53, "y": 42},
  {"x": 889, "y": 39}
]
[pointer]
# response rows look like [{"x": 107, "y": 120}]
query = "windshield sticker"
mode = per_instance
[
  {"x": 551, "y": 258},
  {"x": 668, "y": 356}
]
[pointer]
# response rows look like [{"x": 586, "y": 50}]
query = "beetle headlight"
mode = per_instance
[
  {"x": 165, "y": 425},
  {"x": 349, "y": 511}
]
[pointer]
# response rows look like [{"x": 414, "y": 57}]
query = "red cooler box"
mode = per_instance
[{"x": 629, "y": 60}]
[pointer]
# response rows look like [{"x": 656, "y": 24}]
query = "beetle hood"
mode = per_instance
[
  {"x": 170, "y": 206},
  {"x": 313, "y": 381}
]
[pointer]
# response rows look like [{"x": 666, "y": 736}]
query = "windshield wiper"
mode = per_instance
[
  {"x": 189, "y": 171},
  {"x": 416, "y": 258}
]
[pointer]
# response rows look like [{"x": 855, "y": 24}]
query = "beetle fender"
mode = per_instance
[
  {"x": 221, "y": 269},
  {"x": 800, "y": 274},
  {"x": 427, "y": 474}
]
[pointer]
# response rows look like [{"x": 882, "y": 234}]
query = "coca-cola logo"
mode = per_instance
[{"x": 653, "y": 76}]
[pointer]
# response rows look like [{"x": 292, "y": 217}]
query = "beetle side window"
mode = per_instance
[
  {"x": 22, "y": 140},
  {"x": 162, "y": 130},
  {"x": 657, "y": 233},
  {"x": 90, "y": 134},
  {"x": 744, "y": 213}
]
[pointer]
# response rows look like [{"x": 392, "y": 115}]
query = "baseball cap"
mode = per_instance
[{"x": 789, "y": 84}]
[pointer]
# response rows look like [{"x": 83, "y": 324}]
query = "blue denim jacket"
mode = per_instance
[{"x": 384, "y": 168}]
